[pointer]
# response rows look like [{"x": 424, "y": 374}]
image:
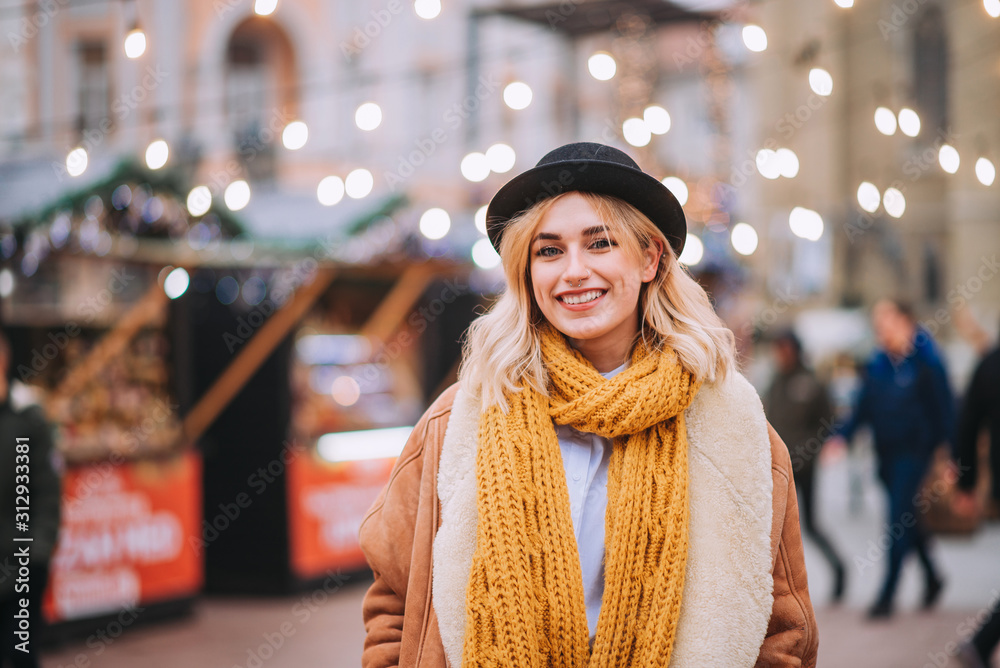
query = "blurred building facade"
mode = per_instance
[{"x": 220, "y": 83}]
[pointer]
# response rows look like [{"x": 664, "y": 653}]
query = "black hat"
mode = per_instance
[{"x": 588, "y": 167}]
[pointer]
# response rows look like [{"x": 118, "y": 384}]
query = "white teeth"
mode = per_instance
[{"x": 582, "y": 298}]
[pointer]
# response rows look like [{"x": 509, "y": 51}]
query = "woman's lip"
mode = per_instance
[{"x": 585, "y": 305}]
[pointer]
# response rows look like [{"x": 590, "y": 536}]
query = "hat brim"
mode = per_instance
[{"x": 639, "y": 189}]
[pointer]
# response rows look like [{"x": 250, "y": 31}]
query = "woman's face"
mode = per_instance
[{"x": 586, "y": 285}]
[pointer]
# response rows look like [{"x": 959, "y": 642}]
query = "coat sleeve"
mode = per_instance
[{"x": 792, "y": 637}]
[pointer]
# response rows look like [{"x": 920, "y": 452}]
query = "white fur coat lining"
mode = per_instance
[{"x": 728, "y": 585}]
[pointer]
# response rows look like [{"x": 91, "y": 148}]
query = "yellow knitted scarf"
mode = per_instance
[{"x": 525, "y": 600}]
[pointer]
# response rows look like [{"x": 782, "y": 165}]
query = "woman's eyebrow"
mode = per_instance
[
  {"x": 550, "y": 236},
  {"x": 596, "y": 230}
]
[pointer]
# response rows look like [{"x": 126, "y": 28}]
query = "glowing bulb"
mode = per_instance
[
  {"x": 602, "y": 66},
  {"x": 330, "y": 190},
  {"x": 949, "y": 158},
  {"x": 265, "y": 7},
  {"x": 345, "y": 391},
  {"x": 755, "y": 38},
  {"x": 176, "y": 283},
  {"x": 678, "y": 188},
  {"x": 768, "y": 164},
  {"x": 500, "y": 158},
  {"x": 869, "y": 197},
  {"x": 693, "y": 251},
  {"x": 6, "y": 282},
  {"x": 985, "y": 171},
  {"x": 517, "y": 95},
  {"x": 359, "y": 183},
  {"x": 368, "y": 116},
  {"x": 806, "y": 223},
  {"x": 484, "y": 255},
  {"x": 427, "y": 9},
  {"x": 435, "y": 223},
  {"x": 157, "y": 153},
  {"x": 481, "y": 219},
  {"x": 76, "y": 161},
  {"x": 909, "y": 122},
  {"x": 199, "y": 201},
  {"x": 846, "y": 4},
  {"x": 744, "y": 239},
  {"x": 657, "y": 119},
  {"x": 295, "y": 135},
  {"x": 135, "y": 43},
  {"x": 475, "y": 167},
  {"x": 788, "y": 162},
  {"x": 885, "y": 121},
  {"x": 894, "y": 202},
  {"x": 992, "y": 7},
  {"x": 820, "y": 81},
  {"x": 636, "y": 132},
  {"x": 237, "y": 195}
]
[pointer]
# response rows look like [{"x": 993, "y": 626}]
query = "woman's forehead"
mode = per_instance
[{"x": 572, "y": 214}]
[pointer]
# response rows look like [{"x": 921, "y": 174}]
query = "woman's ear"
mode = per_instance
[{"x": 651, "y": 256}]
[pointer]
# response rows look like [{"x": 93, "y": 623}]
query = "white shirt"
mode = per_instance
[{"x": 585, "y": 457}]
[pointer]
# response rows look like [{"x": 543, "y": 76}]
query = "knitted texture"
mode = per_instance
[{"x": 525, "y": 600}]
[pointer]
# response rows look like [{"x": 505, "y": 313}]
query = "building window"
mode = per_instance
[
  {"x": 930, "y": 71},
  {"x": 93, "y": 94}
]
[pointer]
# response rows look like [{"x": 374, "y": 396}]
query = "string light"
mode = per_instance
[
  {"x": 157, "y": 153},
  {"x": 484, "y": 255},
  {"x": 885, "y": 121},
  {"x": 135, "y": 43},
  {"x": 755, "y": 38},
  {"x": 805, "y": 223},
  {"x": 656, "y": 119},
  {"x": 869, "y": 197},
  {"x": 359, "y": 183},
  {"x": 894, "y": 202},
  {"x": 480, "y": 219},
  {"x": 265, "y": 7},
  {"x": 76, "y": 161},
  {"x": 435, "y": 223},
  {"x": 909, "y": 122},
  {"x": 602, "y": 66},
  {"x": 788, "y": 162},
  {"x": 330, "y": 190},
  {"x": 199, "y": 201},
  {"x": 992, "y": 7},
  {"x": 501, "y": 158},
  {"x": 986, "y": 172},
  {"x": 820, "y": 81},
  {"x": 693, "y": 251},
  {"x": 237, "y": 195},
  {"x": 427, "y": 9},
  {"x": 767, "y": 164},
  {"x": 949, "y": 158},
  {"x": 295, "y": 135},
  {"x": 368, "y": 116},
  {"x": 678, "y": 188},
  {"x": 475, "y": 167},
  {"x": 636, "y": 132},
  {"x": 744, "y": 239},
  {"x": 517, "y": 95}
]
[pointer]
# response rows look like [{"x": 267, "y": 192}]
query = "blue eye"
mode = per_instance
[
  {"x": 547, "y": 251},
  {"x": 602, "y": 243}
]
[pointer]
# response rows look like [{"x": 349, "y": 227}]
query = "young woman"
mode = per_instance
[{"x": 601, "y": 487}]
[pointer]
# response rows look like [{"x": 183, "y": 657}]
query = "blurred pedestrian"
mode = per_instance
[
  {"x": 906, "y": 401},
  {"x": 29, "y": 481},
  {"x": 798, "y": 406},
  {"x": 980, "y": 408},
  {"x": 600, "y": 457}
]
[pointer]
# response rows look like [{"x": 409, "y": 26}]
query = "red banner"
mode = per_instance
[
  {"x": 124, "y": 538},
  {"x": 326, "y": 503}
]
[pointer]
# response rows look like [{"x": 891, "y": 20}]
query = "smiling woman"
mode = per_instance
[{"x": 577, "y": 498}]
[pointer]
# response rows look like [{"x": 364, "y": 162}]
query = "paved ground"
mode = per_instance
[{"x": 300, "y": 633}]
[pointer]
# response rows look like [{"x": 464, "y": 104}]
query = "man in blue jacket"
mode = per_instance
[{"x": 906, "y": 401}]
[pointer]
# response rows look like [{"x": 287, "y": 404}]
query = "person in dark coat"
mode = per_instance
[
  {"x": 980, "y": 408},
  {"x": 798, "y": 405},
  {"x": 906, "y": 401},
  {"x": 34, "y": 467}
]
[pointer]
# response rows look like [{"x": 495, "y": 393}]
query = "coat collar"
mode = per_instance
[{"x": 728, "y": 585}]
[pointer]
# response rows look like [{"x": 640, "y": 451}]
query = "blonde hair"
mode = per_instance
[{"x": 502, "y": 351}]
